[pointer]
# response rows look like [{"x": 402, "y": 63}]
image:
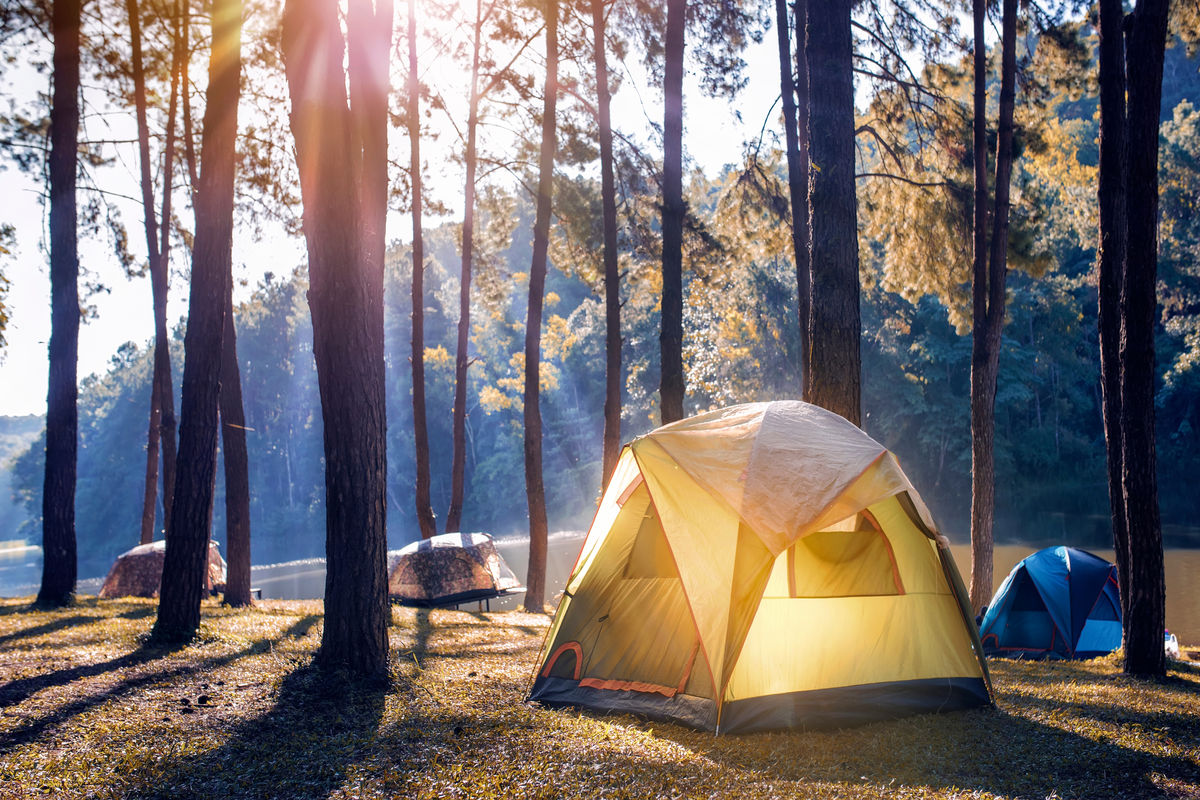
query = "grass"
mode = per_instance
[{"x": 88, "y": 711}]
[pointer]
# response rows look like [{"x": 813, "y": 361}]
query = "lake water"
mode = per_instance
[{"x": 306, "y": 579}]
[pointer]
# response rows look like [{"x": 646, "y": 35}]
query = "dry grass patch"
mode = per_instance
[{"x": 86, "y": 710}]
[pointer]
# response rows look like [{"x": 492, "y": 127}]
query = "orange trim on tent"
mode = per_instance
[
  {"x": 791, "y": 570},
  {"x": 630, "y": 489},
  {"x": 595, "y": 514},
  {"x": 573, "y": 647},
  {"x": 575, "y": 566},
  {"x": 643, "y": 686},
  {"x": 687, "y": 669},
  {"x": 686, "y": 597},
  {"x": 869, "y": 517}
]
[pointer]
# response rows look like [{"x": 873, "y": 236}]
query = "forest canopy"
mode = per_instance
[{"x": 741, "y": 340}]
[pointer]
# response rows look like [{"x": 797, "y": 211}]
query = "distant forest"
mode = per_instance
[{"x": 740, "y": 344}]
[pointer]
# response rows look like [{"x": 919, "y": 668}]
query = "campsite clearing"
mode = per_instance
[{"x": 86, "y": 711}]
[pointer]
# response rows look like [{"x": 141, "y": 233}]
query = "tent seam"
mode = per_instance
[{"x": 695, "y": 625}]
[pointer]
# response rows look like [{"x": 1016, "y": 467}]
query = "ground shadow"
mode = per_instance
[
  {"x": 304, "y": 746},
  {"x": 16, "y": 691},
  {"x": 62, "y": 623},
  {"x": 1113, "y": 712},
  {"x": 21, "y": 689},
  {"x": 488, "y": 618},
  {"x": 987, "y": 750},
  {"x": 424, "y": 630}
]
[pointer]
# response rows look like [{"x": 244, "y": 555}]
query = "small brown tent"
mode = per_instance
[
  {"x": 138, "y": 572},
  {"x": 449, "y": 569}
]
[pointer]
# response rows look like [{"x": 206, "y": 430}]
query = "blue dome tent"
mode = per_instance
[{"x": 1060, "y": 602}]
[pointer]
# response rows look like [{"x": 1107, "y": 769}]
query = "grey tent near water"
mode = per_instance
[
  {"x": 138, "y": 571},
  {"x": 449, "y": 569}
]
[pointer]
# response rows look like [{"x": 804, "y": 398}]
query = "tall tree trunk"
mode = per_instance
[
  {"x": 62, "y": 417},
  {"x": 1110, "y": 256},
  {"x": 189, "y": 138},
  {"x": 332, "y": 158},
  {"x": 797, "y": 158},
  {"x": 981, "y": 547},
  {"x": 160, "y": 275},
  {"x": 987, "y": 329},
  {"x": 1146, "y": 594},
  {"x": 458, "y": 467},
  {"x": 425, "y": 516},
  {"x": 156, "y": 253},
  {"x": 237, "y": 469},
  {"x": 834, "y": 379},
  {"x": 150, "y": 225},
  {"x": 150, "y": 490},
  {"x": 535, "y": 491},
  {"x": 983, "y": 401},
  {"x": 612, "y": 276},
  {"x": 370, "y": 42},
  {"x": 672, "y": 387},
  {"x": 186, "y": 560}
]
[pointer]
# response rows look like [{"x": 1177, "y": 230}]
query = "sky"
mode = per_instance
[{"x": 713, "y": 137}]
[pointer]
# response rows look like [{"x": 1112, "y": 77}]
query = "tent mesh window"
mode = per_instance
[{"x": 838, "y": 563}]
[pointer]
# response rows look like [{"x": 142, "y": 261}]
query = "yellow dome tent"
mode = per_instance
[{"x": 760, "y": 567}]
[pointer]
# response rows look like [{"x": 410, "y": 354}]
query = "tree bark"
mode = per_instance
[
  {"x": 237, "y": 469},
  {"x": 189, "y": 139},
  {"x": 425, "y": 516},
  {"x": 1110, "y": 256},
  {"x": 150, "y": 490},
  {"x": 795, "y": 119},
  {"x": 981, "y": 546},
  {"x": 672, "y": 385},
  {"x": 186, "y": 560},
  {"x": 988, "y": 326},
  {"x": 834, "y": 380},
  {"x": 347, "y": 316},
  {"x": 156, "y": 251},
  {"x": 612, "y": 276},
  {"x": 458, "y": 467},
  {"x": 160, "y": 274},
  {"x": 1146, "y": 594},
  {"x": 62, "y": 417},
  {"x": 535, "y": 581},
  {"x": 150, "y": 225}
]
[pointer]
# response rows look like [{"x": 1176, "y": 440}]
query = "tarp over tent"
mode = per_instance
[
  {"x": 1060, "y": 602},
  {"x": 448, "y": 569},
  {"x": 763, "y": 566},
  {"x": 138, "y": 571}
]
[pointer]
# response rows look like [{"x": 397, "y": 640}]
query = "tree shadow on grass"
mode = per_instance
[
  {"x": 75, "y": 620},
  {"x": 19, "y": 690},
  {"x": 53, "y": 626},
  {"x": 303, "y": 747},
  {"x": 1178, "y": 717},
  {"x": 986, "y": 750}
]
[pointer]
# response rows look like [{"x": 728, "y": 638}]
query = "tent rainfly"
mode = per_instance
[
  {"x": 1060, "y": 602},
  {"x": 764, "y": 566}
]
